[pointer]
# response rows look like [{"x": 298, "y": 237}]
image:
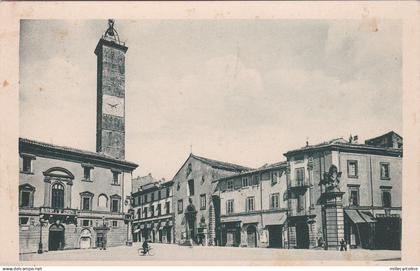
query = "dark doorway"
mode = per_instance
[
  {"x": 216, "y": 206},
  {"x": 274, "y": 236},
  {"x": 191, "y": 227},
  {"x": 168, "y": 235},
  {"x": 100, "y": 239},
  {"x": 251, "y": 233},
  {"x": 160, "y": 236},
  {"x": 388, "y": 233},
  {"x": 56, "y": 237},
  {"x": 302, "y": 235}
]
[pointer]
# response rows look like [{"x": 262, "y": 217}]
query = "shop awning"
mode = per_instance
[
  {"x": 360, "y": 216},
  {"x": 368, "y": 216},
  {"x": 274, "y": 219}
]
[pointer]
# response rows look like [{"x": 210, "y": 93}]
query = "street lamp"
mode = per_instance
[
  {"x": 129, "y": 219},
  {"x": 41, "y": 222}
]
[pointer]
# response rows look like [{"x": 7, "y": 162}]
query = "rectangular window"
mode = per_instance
[
  {"x": 115, "y": 177},
  {"x": 86, "y": 173},
  {"x": 385, "y": 171},
  {"x": 352, "y": 169},
  {"x": 85, "y": 203},
  {"x": 159, "y": 195},
  {"x": 168, "y": 192},
  {"x": 139, "y": 213},
  {"x": 229, "y": 206},
  {"x": 159, "y": 210},
  {"x": 229, "y": 185},
  {"x": 153, "y": 196},
  {"x": 274, "y": 178},
  {"x": 152, "y": 211},
  {"x": 27, "y": 164},
  {"x": 202, "y": 201},
  {"x": 180, "y": 206},
  {"x": 386, "y": 198},
  {"x": 114, "y": 205},
  {"x": 26, "y": 195},
  {"x": 249, "y": 206},
  {"x": 115, "y": 223},
  {"x": 300, "y": 175},
  {"x": 245, "y": 182},
  {"x": 145, "y": 212},
  {"x": 191, "y": 187},
  {"x": 23, "y": 220},
  {"x": 86, "y": 222},
  {"x": 354, "y": 196},
  {"x": 274, "y": 201},
  {"x": 167, "y": 207},
  {"x": 300, "y": 202},
  {"x": 255, "y": 179}
]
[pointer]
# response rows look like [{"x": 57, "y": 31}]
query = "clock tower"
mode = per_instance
[{"x": 110, "y": 118}]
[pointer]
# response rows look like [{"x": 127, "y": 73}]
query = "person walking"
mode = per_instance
[{"x": 343, "y": 245}]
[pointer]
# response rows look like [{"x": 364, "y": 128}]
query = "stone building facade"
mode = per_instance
[
  {"x": 77, "y": 196},
  {"x": 71, "y": 198},
  {"x": 153, "y": 212},
  {"x": 370, "y": 178},
  {"x": 194, "y": 207},
  {"x": 253, "y": 207}
]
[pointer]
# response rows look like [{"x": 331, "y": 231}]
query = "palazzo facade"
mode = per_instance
[
  {"x": 370, "y": 179},
  {"x": 253, "y": 209},
  {"x": 153, "y": 212}
]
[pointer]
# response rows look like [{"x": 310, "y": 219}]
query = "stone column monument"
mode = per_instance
[{"x": 332, "y": 209}]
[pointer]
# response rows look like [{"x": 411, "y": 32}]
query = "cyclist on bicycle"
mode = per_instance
[{"x": 145, "y": 247}]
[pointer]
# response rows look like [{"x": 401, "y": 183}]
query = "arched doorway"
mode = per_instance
[
  {"x": 251, "y": 234},
  {"x": 190, "y": 217},
  {"x": 85, "y": 239},
  {"x": 302, "y": 235},
  {"x": 56, "y": 237}
]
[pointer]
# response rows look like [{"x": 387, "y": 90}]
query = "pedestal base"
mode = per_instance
[{"x": 333, "y": 220}]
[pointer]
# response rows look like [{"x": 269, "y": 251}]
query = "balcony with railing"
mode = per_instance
[
  {"x": 298, "y": 184},
  {"x": 66, "y": 215},
  {"x": 300, "y": 212}
]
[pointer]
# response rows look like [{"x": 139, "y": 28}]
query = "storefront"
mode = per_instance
[
  {"x": 388, "y": 231},
  {"x": 231, "y": 234},
  {"x": 359, "y": 228}
]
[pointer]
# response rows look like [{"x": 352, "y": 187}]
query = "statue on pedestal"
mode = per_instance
[{"x": 331, "y": 179}]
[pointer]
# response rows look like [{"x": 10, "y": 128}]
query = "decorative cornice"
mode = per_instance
[
  {"x": 46, "y": 150},
  {"x": 51, "y": 173}
]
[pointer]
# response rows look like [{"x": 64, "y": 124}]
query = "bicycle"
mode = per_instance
[{"x": 148, "y": 252}]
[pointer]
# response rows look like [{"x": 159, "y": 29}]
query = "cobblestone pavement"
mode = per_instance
[{"x": 184, "y": 255}]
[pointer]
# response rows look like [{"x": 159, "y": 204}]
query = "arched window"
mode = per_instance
[
  {"x": 57, "y": 196},
  {"x": 103, "y": 201}
]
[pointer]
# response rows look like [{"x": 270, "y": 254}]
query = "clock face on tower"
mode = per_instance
[{"x": 113, "y": 105}]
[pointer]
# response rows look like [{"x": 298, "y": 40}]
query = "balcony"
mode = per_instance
[
  {"x": 296, "y": 185},
  {"x": 58, "y": 211},
  {"x": 65, "y": 215},
  {"x": 301, "y": 213}
]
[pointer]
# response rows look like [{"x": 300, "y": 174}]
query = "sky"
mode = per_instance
[{"x": 240, "y": 91}]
